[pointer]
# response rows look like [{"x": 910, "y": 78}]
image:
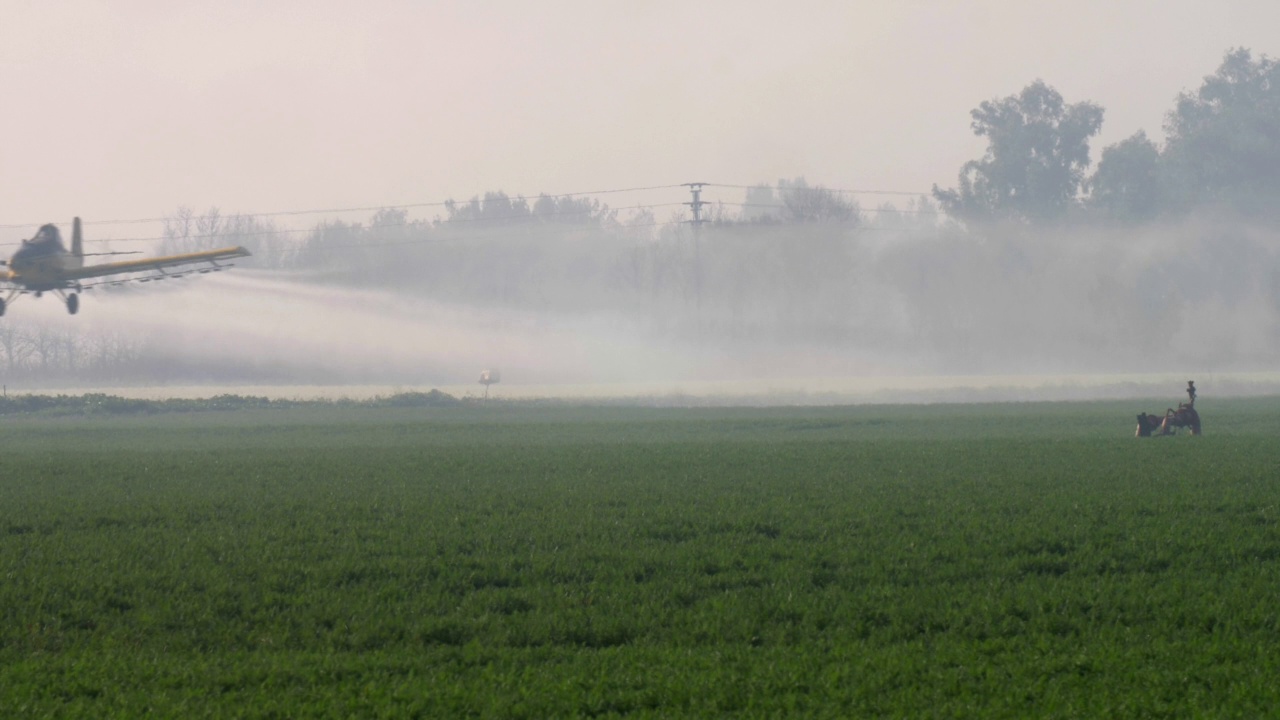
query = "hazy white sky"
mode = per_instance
[{"x": 132, "y": 108}]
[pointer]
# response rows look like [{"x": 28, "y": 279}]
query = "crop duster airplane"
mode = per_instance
[{"x": 43, "y": 264}]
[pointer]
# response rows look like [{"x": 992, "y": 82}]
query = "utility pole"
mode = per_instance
[{"x": 695, "y": 189}]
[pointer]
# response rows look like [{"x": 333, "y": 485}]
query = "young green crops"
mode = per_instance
[{"x": 507, "y": 561}]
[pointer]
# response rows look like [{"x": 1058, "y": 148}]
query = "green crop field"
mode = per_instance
[{"x": 1028, "y": 560}]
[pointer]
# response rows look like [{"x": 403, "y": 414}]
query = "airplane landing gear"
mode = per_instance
[
  {"x": 2, "y": 305},
  {"x": 69, "y": 297}
]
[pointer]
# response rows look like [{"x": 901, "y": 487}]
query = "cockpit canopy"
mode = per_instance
[
  {"x": 46, "y": 235},
  {"x": 47, "y": 241}
]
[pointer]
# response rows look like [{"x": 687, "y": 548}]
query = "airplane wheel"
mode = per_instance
[
  {"x": 2, "y": 304},
  {"x": 73, "y": 303}
]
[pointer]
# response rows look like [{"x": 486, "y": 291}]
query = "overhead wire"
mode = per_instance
[
  {"x": 368, "y": 208},
  {"x": 842, "y": 191},
  {"x": 527, "y": 216},
  {"x": 524, "y": 218},
  {"x": 780, "y": 206},
  {"x": 232, "y": 233},
  {"x": 445, "y": 203}
]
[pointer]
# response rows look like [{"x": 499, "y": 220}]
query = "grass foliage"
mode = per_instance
[{"x": 949, "y": 561}]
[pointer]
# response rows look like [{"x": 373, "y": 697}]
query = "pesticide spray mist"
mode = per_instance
[
  {"x": 771, "y": 314},
  {"x": 247, "y": 327}
]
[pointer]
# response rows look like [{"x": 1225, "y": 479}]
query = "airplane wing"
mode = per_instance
[{"x": 155, "y": 263}]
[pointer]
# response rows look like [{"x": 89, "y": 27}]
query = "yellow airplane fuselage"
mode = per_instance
[
  {"x": 43, "y": 263},
  {"x": 44, "y": 273}
]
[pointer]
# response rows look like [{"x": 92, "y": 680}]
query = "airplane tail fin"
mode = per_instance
[{"x": 77, "y": 239}]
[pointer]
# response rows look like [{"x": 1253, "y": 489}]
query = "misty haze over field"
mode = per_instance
[
  {"x": 1049, "y": 244},
  {"x": 591, "y": 300}
]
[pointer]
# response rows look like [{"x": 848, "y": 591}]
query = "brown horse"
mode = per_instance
[{"x": 1185, "y": 416}]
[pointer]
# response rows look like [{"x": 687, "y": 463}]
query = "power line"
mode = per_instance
[
  {"x": 696, "y": 205},
  {"x": 524, "y": 218},
  {"x": 445, "y": 203},
  {"x": 817, "y": 188},
  {"x": 368, "y": 208},
  {"x": 781, "y": 206},
  {"x": 231, "y": 233}
]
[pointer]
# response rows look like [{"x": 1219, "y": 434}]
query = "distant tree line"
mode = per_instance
[
  {"x": 1221, "y": 154},
  {"x": 104, "y": 404},
  {"x": 36, "y": 350}
]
